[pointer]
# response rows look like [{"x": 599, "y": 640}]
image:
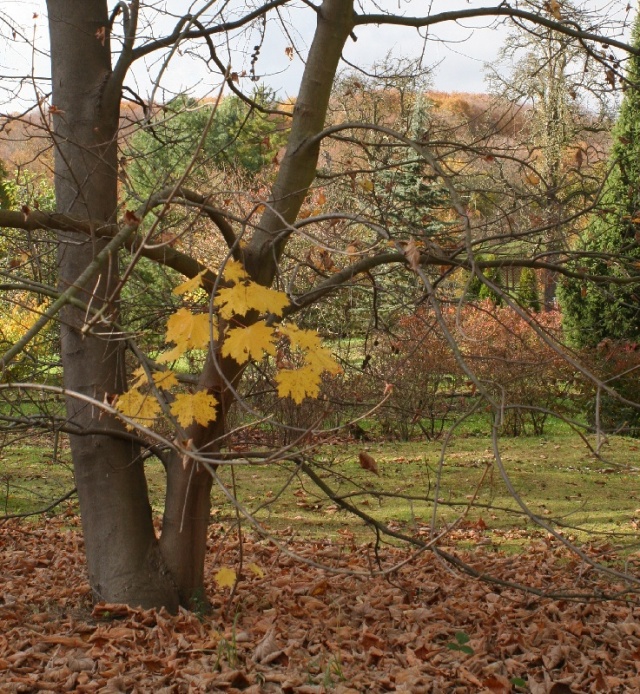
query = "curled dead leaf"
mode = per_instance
[
  {"x": 368, "y": 462},
  {"x": 267, "y": 647},
  {"x": 412, "y": 254}
]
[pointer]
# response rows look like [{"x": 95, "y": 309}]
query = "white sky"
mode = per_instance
[{"x": 460, "y": 60}]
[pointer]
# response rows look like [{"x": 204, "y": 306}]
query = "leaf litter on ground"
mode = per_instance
[{"x": 295, "y": 628}]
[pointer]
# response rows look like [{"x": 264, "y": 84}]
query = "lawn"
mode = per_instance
[{"x": 557, "y": 476}]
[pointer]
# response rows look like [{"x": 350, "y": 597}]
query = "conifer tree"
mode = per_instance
[
  {"x": 611, "y": 242},
  {"x": 528, "y": 293}
]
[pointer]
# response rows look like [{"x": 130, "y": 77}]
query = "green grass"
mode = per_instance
[{"x": 556, "y": 476}]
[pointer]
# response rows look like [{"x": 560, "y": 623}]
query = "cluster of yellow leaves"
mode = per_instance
[
  {"x": 194, "y": 331},
  {"x": 256, "y": 340},
  {"x": 14, "y": 322},
  {"x": 187, "y": 331}
]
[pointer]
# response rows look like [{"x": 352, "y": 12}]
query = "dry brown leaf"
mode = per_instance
[
  {"x": 368, "y": 462},
  {"x": 412, "y": 254},
  {"x": 266, "y": 647}
]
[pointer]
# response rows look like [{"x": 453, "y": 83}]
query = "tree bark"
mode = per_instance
[
  {"x": 126, "y": 561},
  {"x": 123, "y": 555}
]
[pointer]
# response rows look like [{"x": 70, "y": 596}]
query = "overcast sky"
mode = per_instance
[{"x": 457, "y": 53}]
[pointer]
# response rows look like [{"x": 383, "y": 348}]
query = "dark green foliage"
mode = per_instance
[
  {"x": 239, "y": 138},
  {"x": 611, "y": 243},
  {"x": 528, "y": 294},
  {"x": 410, "y": 199}
]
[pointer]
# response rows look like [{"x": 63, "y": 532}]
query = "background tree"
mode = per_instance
[
  {"x": 610, "y": 245},
  {"x": 563, "y": 93},
  {"x": 528, "y": 293}
]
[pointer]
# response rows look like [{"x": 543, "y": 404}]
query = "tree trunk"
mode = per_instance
[
  {"x": 123, "y": 556},
  {"x": 126, "y": 561}
]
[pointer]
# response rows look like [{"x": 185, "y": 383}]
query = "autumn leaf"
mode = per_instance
[
  {"x": 188, "y": 330},
  {"x": 412, "y": 254},
  {"x": 225, "y": 577},
  {"x": 254, "y": 568},
  {"x": 234, "y": 271},
  {"x": 367, "y": 185},
  {"x": 368, "y": 462},
  {"x": 199, "y": 407},
  {"x": 298, "y": 384},
  {"x": 249, "y": 343},
  {"x": 139, "y": 377},
  {"x": 320, "y": 359},
  {"x": 553, "y": 6},
  {"x": 532, "y": 178},
  {"x": 165, "y": 379},
  {"x": 190, "y": 285},
  {"x": 242, "y": 298},
  {"x": 305, "y": 340},
  {"x": 139, "y": 407}
]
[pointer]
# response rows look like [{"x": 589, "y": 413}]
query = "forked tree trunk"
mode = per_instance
[
  {"x": 123, "y": 555},
  {"x": 126, "y": 562}
]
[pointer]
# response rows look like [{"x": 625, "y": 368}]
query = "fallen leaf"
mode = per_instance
[
  {"x": 267, "y": 647},
  {"x": 368, "y": 462}
]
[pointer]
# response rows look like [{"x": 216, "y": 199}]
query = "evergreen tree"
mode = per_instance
[
  {"x": 410, "y": 196},
  {"x": 611, "y": 242},
  {"x": 528, "y": 294}
]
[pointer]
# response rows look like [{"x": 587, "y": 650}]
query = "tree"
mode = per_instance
[
  {"x": 610, "y": 245},
  {"x": 127, "y": 561},
  {"x": 562, "y": 94},
  {"x": 528, "y": 294}
]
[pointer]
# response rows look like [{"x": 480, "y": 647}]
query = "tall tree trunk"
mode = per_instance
[{"x": 123, "y": 556}]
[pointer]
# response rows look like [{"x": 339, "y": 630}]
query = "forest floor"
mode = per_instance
[{"x": 291, "y": 626}]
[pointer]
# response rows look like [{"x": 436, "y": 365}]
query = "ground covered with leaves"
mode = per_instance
[{"x": 289, "y": 626}]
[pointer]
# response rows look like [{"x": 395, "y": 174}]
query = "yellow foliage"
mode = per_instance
[
  {"x": 316, "y": 357},
  {"x": 165, "y": 379},
  {"x": 244, "y": 297},
  {"x": 141, "y": 408},
  {"x": 199, "y": 407},
  {"x": 188, "y": 330},
  {"x": 298, "y": 384},
  {"x": 256, "y": 570},
  {"x": 305, "y": 340},
  {"x": 225, "y": 578},
  {"x": 249, "y": 343},
  {"x": 190, "y": 285},
  {"x": 234, "y": 271}
]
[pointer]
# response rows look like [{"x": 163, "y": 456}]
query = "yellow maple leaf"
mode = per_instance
[
  {"x": 190, "y": 285},
  {"x": 225, "y": 578},
  {"x": 171, "y": 355},
  {"x": 320, "y": 359},
  {"x": 250, "y": 296},
  {"x": 300, "y": 338},
  {"x": 256, "y": 570},
  {"x": 188, "y": 330},
  {"x": 555, "y": 8},
  {"x": 139, "y": 407},
  {"x": 298, "y": 384},
  {"x": 139, "y": 377},
  {"x": 234, "y": 271},
  {"x": 316, "y": 356},
  {"x": 165, "y": 379},
  {"x": 249, "y": 343},
  {"x": 367, "y": 185},
  {"x": 199, "y": 407}
]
